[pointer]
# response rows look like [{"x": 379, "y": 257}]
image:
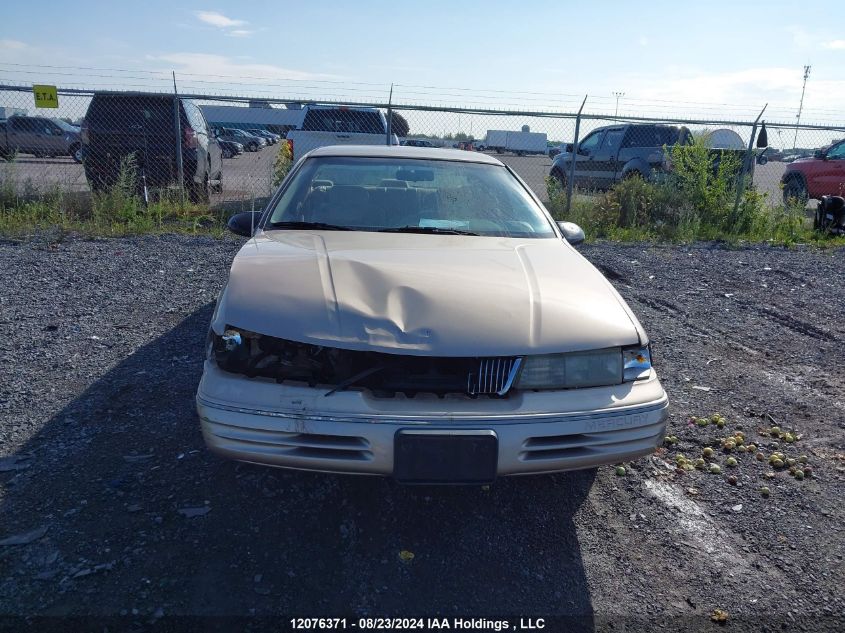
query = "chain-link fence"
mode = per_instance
[{"x": 227, "y": 148}]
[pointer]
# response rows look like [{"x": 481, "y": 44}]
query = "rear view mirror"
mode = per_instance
[
  {"x": 244, "y": 223},
  {"x": 415, "y": 175},
  {"x": 763, "y": 136},
  {"x": 572, "y": 233}
]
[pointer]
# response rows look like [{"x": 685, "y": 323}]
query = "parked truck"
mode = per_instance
[
  {"x": 338, "y": 125},
  {"x": 520, "y": 143},
  {"x": 39, "y": 136}
]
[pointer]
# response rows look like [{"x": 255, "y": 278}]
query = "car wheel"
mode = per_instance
[
  {"x": 76, "y": 152},
  {"x": 558, "y": 175},
  {"x": 633, "y": 174},
  {"x": 226, "y": 153},
  {"x": 198, "y": 193},
  {"x": 795, "y": 191},
  {"x": 253, "y": 147}
]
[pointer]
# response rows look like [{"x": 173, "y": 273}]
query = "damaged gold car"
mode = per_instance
[{"x": 417, "y": 313}]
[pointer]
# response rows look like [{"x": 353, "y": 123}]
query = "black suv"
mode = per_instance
[{"x": 119, "y": 125}]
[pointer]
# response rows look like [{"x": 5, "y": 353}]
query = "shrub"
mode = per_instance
[{"x": 284, "y": 161}]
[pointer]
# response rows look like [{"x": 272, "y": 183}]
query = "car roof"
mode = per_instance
[{"x": 404, "y": 151}]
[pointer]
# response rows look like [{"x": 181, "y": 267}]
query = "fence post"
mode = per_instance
[
  {"x": 747, "y": 163},
  {"x": 574, "y": 156},
  {"x": 179, "y": 164},
  {"x": 390, "y": 115}
]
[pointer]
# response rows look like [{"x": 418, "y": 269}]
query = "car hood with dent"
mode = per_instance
[{"x": 440, "y": 295}]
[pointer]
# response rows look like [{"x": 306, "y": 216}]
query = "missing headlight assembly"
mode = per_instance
[{"x": 255, "y": 355}]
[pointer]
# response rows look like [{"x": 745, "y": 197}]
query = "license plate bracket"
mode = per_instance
[{"x": 445, "y": 456}]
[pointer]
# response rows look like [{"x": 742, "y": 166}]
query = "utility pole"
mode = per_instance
[
  {"x": 800, "y": 105},
  {"x": 618, "y": 96}
]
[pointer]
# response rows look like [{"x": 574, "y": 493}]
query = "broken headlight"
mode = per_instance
[{"x": 636, "y": 363}]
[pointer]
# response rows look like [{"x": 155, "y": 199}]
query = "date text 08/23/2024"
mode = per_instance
[{"x": 419, "y": 624}]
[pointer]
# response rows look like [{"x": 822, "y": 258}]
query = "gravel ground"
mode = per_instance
[{"x": 122, "y": 511}]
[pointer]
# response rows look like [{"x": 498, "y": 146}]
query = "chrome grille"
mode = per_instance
[{"x": 494, "y": 376}]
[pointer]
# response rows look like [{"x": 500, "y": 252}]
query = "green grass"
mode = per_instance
[
  {"x": 694, "y": 203},
  {"x": 118, "y": 211}
]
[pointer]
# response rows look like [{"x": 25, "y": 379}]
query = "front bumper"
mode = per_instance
[{"x": 262, "y": 422}]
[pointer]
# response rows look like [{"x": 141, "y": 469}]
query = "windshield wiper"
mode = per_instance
[
  {"x": 426, "y": 229},
  {"x": 319, "y": 226}
]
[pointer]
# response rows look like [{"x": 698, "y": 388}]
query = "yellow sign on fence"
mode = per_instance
[{"x": 45, "y": 96}]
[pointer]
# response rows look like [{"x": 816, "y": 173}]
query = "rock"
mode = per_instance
[
  {"x": 25, "y": 538},
  {"x": 137, "y": 458},
  {"x": 194, "y": 512},
  {"x": 15, "y": 462}
]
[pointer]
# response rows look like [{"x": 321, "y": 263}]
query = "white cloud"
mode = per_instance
[
  {"x": 220, "y": 65},
  {"x": 12, "y": 45},
  {"x": 218, "y": 19},
  {"x": 836, "y": 45},
  {"x": 240, "y": 33}
]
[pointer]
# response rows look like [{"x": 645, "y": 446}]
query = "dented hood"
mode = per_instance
[{"x": 442, "y": 295}]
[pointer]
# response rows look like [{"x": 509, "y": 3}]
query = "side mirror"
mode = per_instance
[
  {"x": 569, "y": 148},
  {"x": 244, "y": 223},
  {"x": 763, "y": 136},
  {"x": 572, "y": 233},
  {"x": 819, "y": 154}
]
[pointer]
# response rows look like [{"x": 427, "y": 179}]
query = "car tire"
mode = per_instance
[
  {"x": 558, "y": 175},
  {"x": 199, "y": 193},
  {"x": 218, "y": 188},
  {"x": 795, "y": 191},
  {"x": 226, "y": 153},
  {"x": 76, "y": 152},
  {"x": 634, "y": 173},
  {"x": 253, "y": 147}
]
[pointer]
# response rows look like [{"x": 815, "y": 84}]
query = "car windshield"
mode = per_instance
[{"x": 413, "y": 195}]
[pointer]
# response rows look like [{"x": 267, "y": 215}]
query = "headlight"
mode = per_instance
[
  {"x": 569, "y": 371},
  {"x": 599, "y": 368},
  {"x": 636, "y": 363}
]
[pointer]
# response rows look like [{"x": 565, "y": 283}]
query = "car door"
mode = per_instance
[
  {"x": 585, "y": 172},
  {"x": 605, "y": 158},
  {"x": 42, "y": 137},
  {"x": 22, "y": 137},
  {"x": 54, "y": 138},
  {"x": 830, "y": 175}
]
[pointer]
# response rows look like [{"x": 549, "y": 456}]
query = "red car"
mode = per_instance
[{"x": 822, "y": 175}]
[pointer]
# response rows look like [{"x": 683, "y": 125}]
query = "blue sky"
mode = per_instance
[{"x": 662, "y": 55}]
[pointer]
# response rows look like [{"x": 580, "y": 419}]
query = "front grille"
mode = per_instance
[{"x": 494, "y": 376}]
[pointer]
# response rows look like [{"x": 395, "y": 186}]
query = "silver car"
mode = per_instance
[{"x": 417, "y": 313}]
